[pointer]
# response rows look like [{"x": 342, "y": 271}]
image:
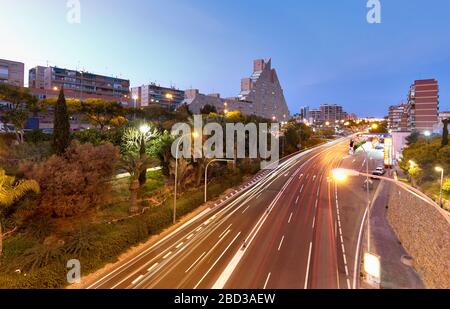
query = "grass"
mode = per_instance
[{"x": 432, "y": 189}]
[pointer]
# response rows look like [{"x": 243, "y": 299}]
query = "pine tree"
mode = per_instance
[
  {"x": 445, "y": 133},
  {"x": 61, "y": 129}
]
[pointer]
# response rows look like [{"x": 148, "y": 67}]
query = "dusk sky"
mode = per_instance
[{"x": 324, "y": 51}]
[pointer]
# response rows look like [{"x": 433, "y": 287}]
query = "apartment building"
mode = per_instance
[
  {"x": 12, "y": 72},
  {"x": 79, "y": 84},
  {"x": 152, "y": 94},
  {"x": 332, "y": 113},
  {"x": 398, "y": 118},
  {"x": 315, "y": 116},
  {"x": 36, "y": 77},
  {"x": 423, "y": 105}
]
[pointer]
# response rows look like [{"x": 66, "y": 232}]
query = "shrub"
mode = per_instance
[
  {"x": 446, "y": 186},
  {"x": 36, "y": 136},
  {"x": 73, "y": 183}
]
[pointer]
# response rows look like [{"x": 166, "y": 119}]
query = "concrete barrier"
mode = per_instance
[{"x": 424, "y": 231}]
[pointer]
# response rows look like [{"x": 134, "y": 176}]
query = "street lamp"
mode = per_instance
[
  {"x": 440, "y": 170},
  {"x": 194, "y": 135},
  {"x": 375, "y": 126},
  {"x": 427, "y": 135},
  {"x": 206, "y": 174},
  {"x": 135, "y": 98},
  {"x": 327, "y": 123}
]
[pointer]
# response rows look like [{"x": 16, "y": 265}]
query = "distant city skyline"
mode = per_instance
[{"x": 323, "y": 52}]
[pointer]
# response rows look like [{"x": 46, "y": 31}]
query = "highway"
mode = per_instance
[{"x": 291, "y": 227}]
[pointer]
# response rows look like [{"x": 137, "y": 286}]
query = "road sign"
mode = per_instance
[{"x": 372, "y": 269}]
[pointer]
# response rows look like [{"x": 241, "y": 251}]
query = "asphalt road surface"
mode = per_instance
[{"x": 292, "y": 227}]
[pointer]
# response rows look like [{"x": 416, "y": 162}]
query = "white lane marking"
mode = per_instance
[
  {"x": 286, "y": 175},
  {"x": 314, "y": 177},
  {"x": 246, "y": 208},
  {"x": 314, "y": 222},
  {"x": 290, "y": 217},
  {"x": 179, "y": 245},
  {"x": 190, "y": 236},
  {"x": 301, "y": 189},
  {"x": 152, "y": 267},
  {"x": 267, "y": 281},
  {"x": 300, "y": 176},
  {"x": 199, "y": 229},
  {"x": 213, "y": 265},
  {"x": 167, "y": 255},
  {"x": 220, "y": 236},
  {"x": 193, "y": 264},
  {"x": 307, "y": 266},
  {"x": 281, "y": 243},
  {"x": 354, "y": 160},
  {"x": 137, "y": 279},
  {"x": 296, "y": 201}
]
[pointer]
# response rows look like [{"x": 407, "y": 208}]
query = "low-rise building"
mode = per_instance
[{"x": 12, "y": 72}]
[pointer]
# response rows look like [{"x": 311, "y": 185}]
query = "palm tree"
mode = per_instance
[
  {"x": 136, "y": 140},
  {"x": 12, "y": 191},
  {"x": 135, "y": 164}
]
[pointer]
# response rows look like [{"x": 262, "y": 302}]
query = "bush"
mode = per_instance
[
  {"x": 73, "y": 183},
  {"x": 446, "y": 186},
  {"x": 36, "y": 136}
]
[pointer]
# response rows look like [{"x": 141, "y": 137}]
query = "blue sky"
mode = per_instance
[{"x": 324, "y": 51}]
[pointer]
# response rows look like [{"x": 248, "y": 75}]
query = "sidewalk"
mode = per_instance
[{"x": 384, "y": 243}]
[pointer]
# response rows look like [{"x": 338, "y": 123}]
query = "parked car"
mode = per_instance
[
  {"x": 4, "y": 127},
  {"x": 380, "y": 171}
]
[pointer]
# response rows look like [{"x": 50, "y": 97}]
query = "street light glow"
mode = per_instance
[
  {"x": 135, "y": 97},
  {"x": 375, "y": 126},
  {"x": 327, "y": 123},
  {"x": 169, "y": 96},
  {"x": 427, "y": 133},
  {"x": 438, "y": 169},
  {"x": 412, "y": 164},
  {"x": 339, "y": 174},
  {"x": 144, "y": 129}
]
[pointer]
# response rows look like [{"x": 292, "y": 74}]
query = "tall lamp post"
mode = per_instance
[
  {"x": 441, "y": 170},
  {"x": 368, "y": 197},
  {"x": 206, "y": 174},
  {"x": 427, "y": 135},
  {"x": 135, "y": 98},
  {"x": 194, "y": 135}
]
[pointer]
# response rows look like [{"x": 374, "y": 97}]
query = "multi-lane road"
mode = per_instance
[{"x": 292, "y": 227}]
